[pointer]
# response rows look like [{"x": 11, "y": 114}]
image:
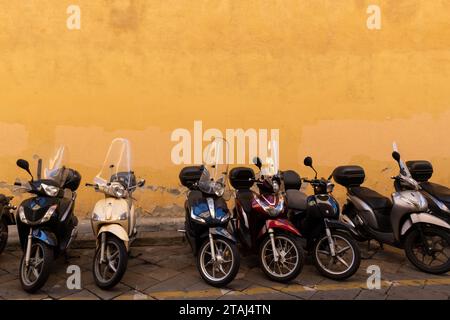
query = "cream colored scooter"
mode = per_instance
[{"x": 114, "y": 217}]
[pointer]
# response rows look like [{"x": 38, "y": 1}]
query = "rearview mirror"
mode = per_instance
[
  {"x": 396, "y": 156},
  {"x": 257, "y": 162},
  {"x": 308, "y": 162},
  {"x": 141, "y": 183},
  {"x": 23, "y": 164}
]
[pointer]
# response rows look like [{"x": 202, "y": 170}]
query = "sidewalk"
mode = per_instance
[{"x": 151, "y": 231}]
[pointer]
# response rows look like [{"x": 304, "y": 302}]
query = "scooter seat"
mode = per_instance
[
  {"x": 296, "y": 199},
  {"x": 375, "y": 200},
  {"x": 245, "y": 198},
  {"x": 438, "y": 191}
]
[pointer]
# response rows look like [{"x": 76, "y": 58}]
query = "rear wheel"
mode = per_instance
[
  {"x": 3, "y": 234},
  {"x": 290, "y": 257},
  {"x": 109, "y": 272},
  {"x": 346, "y": 260},
  {"x": 222, "y": 270},
  {"x": 34, "y": 276},
  {"x": 430, "y": 254}
]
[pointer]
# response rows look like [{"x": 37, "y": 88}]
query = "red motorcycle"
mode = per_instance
[{"x": 261, "y": 223}]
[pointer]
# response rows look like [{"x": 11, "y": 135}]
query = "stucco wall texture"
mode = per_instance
[{"x": 140, "y": 69}]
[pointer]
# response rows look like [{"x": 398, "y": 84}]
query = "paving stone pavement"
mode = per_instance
[{"x": 169, "y": 272}]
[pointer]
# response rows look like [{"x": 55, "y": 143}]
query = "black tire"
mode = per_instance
[
  {"x": 48, "y": 257},
  {"x": 413, "y": 241},
  {"x": 354, "y": 264},
  {"x": 121, "y": 264},
  {"x": 299, "y": 253},
  {"x": 233, "y": 270},
  {"x": 3, "y": 234}
]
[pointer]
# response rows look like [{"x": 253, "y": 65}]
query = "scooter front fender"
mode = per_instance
[
  {"x": 222, "y": 232},
  {"x": 45, "y": 236},
  {"x": 425, "y": 218},
  {"x": 279, "y": 224},
  {"x": 338, "y": 225},
  {"x": 116, "y": 230}
]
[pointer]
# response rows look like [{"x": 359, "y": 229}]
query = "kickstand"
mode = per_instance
[{"x": 370, "y": 255}]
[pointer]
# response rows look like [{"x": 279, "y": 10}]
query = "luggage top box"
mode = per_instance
[
  {"x": 292, "y": 180},
  {"x": 349, "y": 176},
  {"x": 242, "y": 178},
  {"x": 421, "y": 170},
  {"x": 190, "y": 175}
]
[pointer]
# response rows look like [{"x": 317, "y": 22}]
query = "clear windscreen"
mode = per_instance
[
  {"x": 117, "y": 164},
  {"x": 270, "y": 160},
  {"x": 215, "y": 163},
  {"x": 55, "y": 169}
]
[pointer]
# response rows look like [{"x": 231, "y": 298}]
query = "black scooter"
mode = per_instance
[
  {"x": 330, "y": 242},
  {"x": 45, "y": 222},
  {"x": 6, "y": 219},
  {"x": 207, "y": 219}
]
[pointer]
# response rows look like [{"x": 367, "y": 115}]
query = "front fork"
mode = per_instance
[
  {"x": 330, "y": 239},
  {"x": 274, "y": 248},
  {"x": 213, "y": 248},
  {"x": 102, "y": 248},
  {"x": 28, "y": 248}
]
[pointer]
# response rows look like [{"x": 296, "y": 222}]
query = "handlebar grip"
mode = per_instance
[
  {"x": 17, "y": 184},
  {"x": 90, "y": 185}
]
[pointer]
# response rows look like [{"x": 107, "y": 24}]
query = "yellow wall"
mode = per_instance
[{"x": 139, "y": 69}]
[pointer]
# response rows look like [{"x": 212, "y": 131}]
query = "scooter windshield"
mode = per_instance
[
  {"x": 215, "y": 168},
  {"x": 117, "y": 165},
  {"x": 270, "y": 160},
  {"x": 55, "y": 169}
]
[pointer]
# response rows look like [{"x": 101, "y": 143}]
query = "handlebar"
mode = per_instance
[{"x": 91, "y": 185}]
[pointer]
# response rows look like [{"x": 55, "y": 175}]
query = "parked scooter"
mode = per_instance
[
  {"x": 114, "y": 217},
  {"x": 45, "y": 222},
  {"x": 334, "y": 251},
  {"x": 261, "y": 221},
  {"x": 207, "y": 217},
  {"x": 404, "y": 222},
  {"x": 6, "y": 219},
  {"x": 438, "y": 198}
]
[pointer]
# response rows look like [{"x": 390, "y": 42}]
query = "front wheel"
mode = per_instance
[
  {"x": 34, "y": 276},
  {"x": 290, "y": 257},
  {"x": 430, "y": 253},
  {"x": 109, "y": 272},
  {"x": 346, "y": 259},
  {"x": 3, "y": 234},
  {"x": 223, "y": 269}
]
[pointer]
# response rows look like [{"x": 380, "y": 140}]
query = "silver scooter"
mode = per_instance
[{"x": 404, "y": 222}]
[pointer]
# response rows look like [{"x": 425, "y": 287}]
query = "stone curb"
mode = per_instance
[{"x": 151, "y": 231}]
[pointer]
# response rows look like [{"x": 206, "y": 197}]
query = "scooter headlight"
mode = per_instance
[
  {"x": 118, "y": 190},
  {"x": 218, "y": 189},
  {"x": 49, "y": 213},
  {"x": 51, "y": 191},
  {"x": 123, "y": 216},
  {"x": 22, "y": 216}
]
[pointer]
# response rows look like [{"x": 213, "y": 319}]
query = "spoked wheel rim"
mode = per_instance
[
  {"x": 344, "y": 255},
  {"x": 31, "y": 273},
  {"x": 106, "y": 270},
  {"x": 288, "y": 257},
  {"x": 436, "y": 255},
  {"x": 222, "y": 267}
]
